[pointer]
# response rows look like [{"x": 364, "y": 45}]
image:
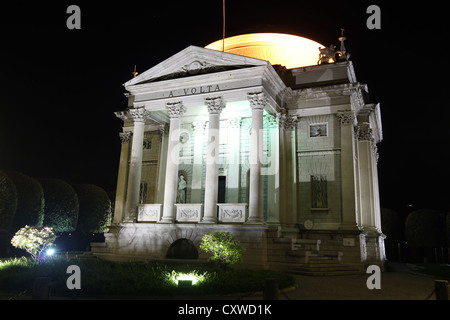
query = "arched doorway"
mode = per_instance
[{"x": 182, "y": 249}]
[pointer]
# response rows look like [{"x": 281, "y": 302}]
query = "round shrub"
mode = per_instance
[
  {"x": 8, "y": 202},
  {"x": 423, "y": 229},
  {"x": 34, "y": 240},
  {"x": 390, "y": 225},
  {"x": 223, "y": 246},
  {"x": 447, "y": 229},
  {"x": 61, "y": 205},
  {"x": 94, "y": 214},
  {"x": 30, "y": 201}
]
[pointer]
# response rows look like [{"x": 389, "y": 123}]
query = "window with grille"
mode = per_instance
[
  {"x": 319, "y": 191},
  {"x": 143, "y": 193}
]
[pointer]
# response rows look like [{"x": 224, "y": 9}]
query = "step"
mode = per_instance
[
  {"x": 87, "y": 255},
  {"x": 326, "y": 271},
  {"x": 98, "y": 244}
]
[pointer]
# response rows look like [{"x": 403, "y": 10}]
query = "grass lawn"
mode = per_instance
[
  {"x": 133, "y": 278},
  {"x": 438, "y": 270}
]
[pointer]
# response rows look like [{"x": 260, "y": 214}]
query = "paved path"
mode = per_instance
[{"x": 395, "y": 285}]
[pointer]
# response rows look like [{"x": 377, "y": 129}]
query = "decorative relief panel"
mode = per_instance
[
  {"x": 188, "y": 212},
  {"x": 232, "y": 212},
  {"x": 149, "y": 212}
]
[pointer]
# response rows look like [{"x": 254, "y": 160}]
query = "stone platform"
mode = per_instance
[
  {"x": 316, "y": 253},
  {"x": 152, "y": 241}
]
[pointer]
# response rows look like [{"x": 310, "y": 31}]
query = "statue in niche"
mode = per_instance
[{"x": 181, "y": 191}]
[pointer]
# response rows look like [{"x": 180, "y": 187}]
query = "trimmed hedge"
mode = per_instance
[
  {"x": 8, "y": 202},
  {"x": 30, "y": 201},
  {"x": 423, "y": 228},
  {"x": 61, "y": 205},
  {"x": 94, "y": 208},
  {"x": 390, "y": 225}
]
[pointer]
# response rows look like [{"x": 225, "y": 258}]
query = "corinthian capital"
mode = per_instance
[
  {"x": 364, "y": 132},
  {"x": 122, "y": 115},
  {"x": 257, "y": 100},
  {"x": 346, "y": 118},
  {"x": 214, "y": 105},
  {"x": 176, "y": 109},
  {"x": 287, "y": 121},
  {"x": 125, "y": 136},
  {"x": 139, "y": 114}
]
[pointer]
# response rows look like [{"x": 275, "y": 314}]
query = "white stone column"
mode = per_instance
[
  {"x": 176, "y": 110},
  {"x": 139, "y": 116},
  {"x": 348, "y": 171},
  {"x": 120, "y": 201},
  {"x": 257, "y": 103},
  {"x": 215, "y": 107}
]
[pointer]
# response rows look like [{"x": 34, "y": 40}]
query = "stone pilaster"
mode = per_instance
[
  {"x": 368, "y": 181},
  {"x": 349, "y": 218},
  {"x": 233, "y": 178},
  {"x": 199, "y": 128},
  {"x": 288, "y": 176}
]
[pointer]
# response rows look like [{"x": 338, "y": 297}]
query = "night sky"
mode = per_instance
[{"x": 60, "y": 87}]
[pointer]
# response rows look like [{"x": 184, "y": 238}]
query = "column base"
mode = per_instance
[
  {"x": 208, "y": 221},
  {"x": 254, "y": 221},
  {"x": 129, "y": 219},
  {"x": 166, "y": 220},
  {"x": 349, "y": 227}
]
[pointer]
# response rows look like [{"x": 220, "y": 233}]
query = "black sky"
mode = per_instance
[{"x": 60, "y": 87}]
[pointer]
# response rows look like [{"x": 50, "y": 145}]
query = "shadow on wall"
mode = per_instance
[{"x": 182, "y": 249}]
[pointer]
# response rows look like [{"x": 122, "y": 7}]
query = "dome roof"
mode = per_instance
[{"x": 277, "y": 48}]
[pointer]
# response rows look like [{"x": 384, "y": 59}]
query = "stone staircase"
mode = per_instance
[
  {"x": 96, "y": 249},
  {"x": 323, "y": 265},
  {"x": 312, "y": 257}
]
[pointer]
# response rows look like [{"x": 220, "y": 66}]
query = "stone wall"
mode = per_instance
[{"x": 147, "y": 241}]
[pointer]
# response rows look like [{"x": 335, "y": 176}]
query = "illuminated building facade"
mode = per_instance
[{"x": 252, "y": 136}]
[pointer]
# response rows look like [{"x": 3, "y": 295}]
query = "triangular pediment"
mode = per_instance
[{"x": 194, "y": 61}]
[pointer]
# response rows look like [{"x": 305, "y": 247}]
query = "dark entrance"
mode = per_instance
[
  {"x": 182, "y": 249},
  {"x": 221, "y": 189}
]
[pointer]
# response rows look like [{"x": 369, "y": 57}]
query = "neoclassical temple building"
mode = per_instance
[{"x": 267, "y": 136}]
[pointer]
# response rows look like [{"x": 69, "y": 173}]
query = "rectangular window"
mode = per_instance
[
  {"x": 318, "y": 130},
  {"x": 143, "y": 193},
  {"x": 319, "y": 191}
]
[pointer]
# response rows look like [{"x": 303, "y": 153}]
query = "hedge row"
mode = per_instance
[
  {"x": 422, "y": 228},
  {"x": 52, "y": 202}
]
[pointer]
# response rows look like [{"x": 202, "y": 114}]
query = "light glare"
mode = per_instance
[{"x": 192, "y": 276}]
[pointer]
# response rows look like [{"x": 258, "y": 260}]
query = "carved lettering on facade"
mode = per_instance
[{"x": 194, "y": 90}]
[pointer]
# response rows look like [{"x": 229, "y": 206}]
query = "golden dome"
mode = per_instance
[{"x": 277, "y": 48}]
